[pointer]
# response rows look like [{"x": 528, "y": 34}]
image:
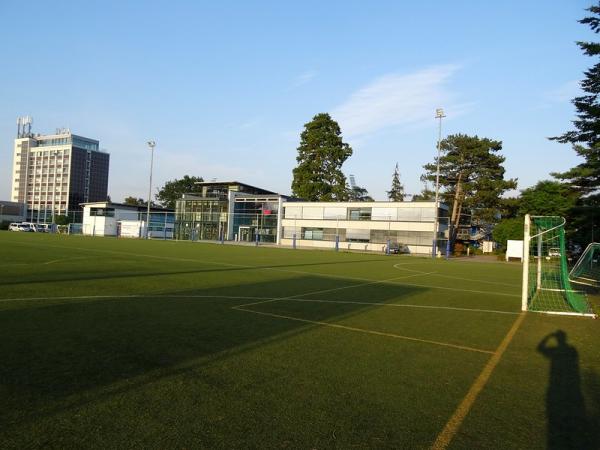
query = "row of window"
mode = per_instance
[
  {"x": 359, "y": 235},
  {"x": 412, "y": 214}
]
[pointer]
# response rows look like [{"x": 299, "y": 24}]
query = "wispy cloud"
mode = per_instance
[
  {"x": 252, "y": 123},
  {"x": 564, "y": 92},
  {"x": 304, "y": 78},
  {"x": 395, "y": 100}
]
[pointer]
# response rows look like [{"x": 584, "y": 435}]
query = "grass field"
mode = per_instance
[{"x": 127, "y": 343}]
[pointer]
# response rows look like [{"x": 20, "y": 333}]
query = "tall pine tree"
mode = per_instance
[
  {"x": 396, "y": 193},
  {"x": 318, "y": 176},
  {"x": 585, "y": 139},
  {"x": 471, "y": 177}
]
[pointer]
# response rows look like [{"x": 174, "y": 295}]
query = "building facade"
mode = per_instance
[
  {"x": 11, "y": 212},
  {"x": 235, "y": 211},
  {"x": 230, "y": 211},
  {"x": 54, "y": 174},
  {"x": 365, "y": 225},
  {"x": 122, "y": 220}
]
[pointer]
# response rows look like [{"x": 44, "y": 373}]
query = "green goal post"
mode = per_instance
[
  {"x": 546, "y": 285},
  {"x": 586, "y": 270}
]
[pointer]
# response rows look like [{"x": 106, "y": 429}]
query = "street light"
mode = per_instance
[
  {"x": 439, "y": 114},
  {"x": 151, "y": 144}
]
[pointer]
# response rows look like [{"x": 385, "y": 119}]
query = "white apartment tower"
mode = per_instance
[{"x": 53, "y": 174}]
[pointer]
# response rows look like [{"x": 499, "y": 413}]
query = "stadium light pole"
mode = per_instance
[
  {"x": 151, "y": 144},
  {"x": 439, "y": 114}
]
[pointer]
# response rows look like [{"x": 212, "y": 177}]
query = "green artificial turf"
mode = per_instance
[{"x": 109, "y": 343}]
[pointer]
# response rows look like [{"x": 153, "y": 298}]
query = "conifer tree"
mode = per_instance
[
  {"x": 585, "y": 139},
  {"x": 318, "y": 176},
  {"x": 396, "y": 193}
]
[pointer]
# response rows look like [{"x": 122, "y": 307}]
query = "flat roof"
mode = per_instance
[
  {"x": 126, "y": 205},
  {"x": 229, "y": 183}
]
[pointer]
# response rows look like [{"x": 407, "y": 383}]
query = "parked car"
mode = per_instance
[
  {"x": 554, "y": 252},
  {"x": 26, "y": 226},
  {"x": 13, "y": 227},
  {"x": 43, "y": 227},
  {"x": 396, "y": 249}
]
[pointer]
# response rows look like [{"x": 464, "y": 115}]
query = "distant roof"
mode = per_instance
[
  {"x": 126, "y": 205},
  {"x": 228, "y": 183}
]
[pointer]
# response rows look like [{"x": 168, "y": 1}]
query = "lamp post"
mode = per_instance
[
  {"x": 151, "y": 144},
  {"x": 439, "y": 114}
]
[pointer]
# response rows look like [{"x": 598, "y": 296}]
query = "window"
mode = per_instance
[
  {"x": 102, "y": 212},
  {"x": 357, "y": 235},
  {"x": 359, "y": 214},
  {"x": 313, "y": 234}
]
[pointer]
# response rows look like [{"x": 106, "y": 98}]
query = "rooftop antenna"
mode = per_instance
[{"x": 24, "y": 126}]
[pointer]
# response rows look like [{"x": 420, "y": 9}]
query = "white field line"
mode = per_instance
[
  {"x": 452, "y": 277},
  {"x": 172, "y": 258},
  {"x": 405, "y": 305},
  {"x": 322, "y": 291},
  {"x": 259, "y": 300},
  {"x": 376, "y": 333}
]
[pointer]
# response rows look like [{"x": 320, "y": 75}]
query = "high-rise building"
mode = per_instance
[{"x": 53, "y": 174}]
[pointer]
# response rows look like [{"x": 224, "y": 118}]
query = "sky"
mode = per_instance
[{"x": 225, "y": 88}]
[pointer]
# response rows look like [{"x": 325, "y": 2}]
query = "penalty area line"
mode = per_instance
[{"x": 366, "y": 331}]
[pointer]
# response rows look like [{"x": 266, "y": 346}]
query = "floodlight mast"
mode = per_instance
[
  {"x": 439, "y": 114},
  {"x": 151, "y": 144}
]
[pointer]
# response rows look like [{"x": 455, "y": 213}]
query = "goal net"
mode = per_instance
[
  {"x": 546, "y": 285},
  {"x": 587, "y": 269}
]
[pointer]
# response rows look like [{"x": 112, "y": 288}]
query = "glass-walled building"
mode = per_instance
[
  {"x": 255, "y": 215},
  {"x": 228, "y": 211}
]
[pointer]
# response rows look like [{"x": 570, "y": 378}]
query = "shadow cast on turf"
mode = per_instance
[
  {"x": 568, "y": 424},
  {"x": 61, "y": 355}
]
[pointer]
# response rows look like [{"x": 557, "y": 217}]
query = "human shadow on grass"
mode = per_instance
[
  {"x": 568, "y": 425},
  {"x": 57, "y": 357},
  {"x": 70, "y": 275}
]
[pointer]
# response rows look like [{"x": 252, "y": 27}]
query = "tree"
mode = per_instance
[
  {"x": 134, "y": 201},
  {"x": 509, "y": 207},
  {"x": 472, "y": 177},
  {"x": 318, "y": 176},
  {"x": 174, "y": 189},
  {"x": 585, "y": 139},
  {"x": 359, "y": 194},
  {"x": 508, "y": 229},
  {"x": 426, "y": 194},
  {"x": 396, "y": 193},
  {"x": 547, "y": 198},
  {"x": 61, "y": 219}
]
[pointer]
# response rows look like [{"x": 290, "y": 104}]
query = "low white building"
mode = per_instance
[
  {"x": 364, "y": 225},
  {"x": 122, "y": 220}
]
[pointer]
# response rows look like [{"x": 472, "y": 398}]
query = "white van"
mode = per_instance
[
  {"x": 43, "y": 227},
  {"x": 26, "y": 226},
  {"x": 13, "y": 227}
]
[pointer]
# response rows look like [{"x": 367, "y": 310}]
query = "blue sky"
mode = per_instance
[{"x": 225, "y": 87}]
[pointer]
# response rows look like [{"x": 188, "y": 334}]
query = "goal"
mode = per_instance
[
  {"x": 587, "y": 269},
  {"x": 546, "y": 284}
]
